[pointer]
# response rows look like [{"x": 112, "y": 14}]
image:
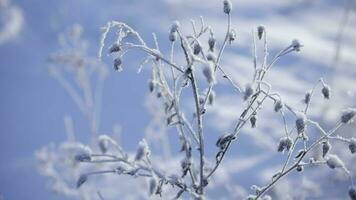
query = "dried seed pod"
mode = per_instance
[
  {"x": 326, "y": 91},
  {"x": 333, "y": 161},
  {"x": 83, "y": 154},
  {"x": 348, "y": 115},
  {"x": 208, "y": 72},
  {"x": 307, "y": 97},
  {"x": 211, "y": 98},
  {"x": 173, "y": 36},
  {"x": 260, "y": 31},
  {"x": 196, "y": 49},
  {"x": 227, "y": 6},
  {"x": 300, "y": 123},
  {"x": 232, "y": 36},
  {"x": 118, "y": 64},
  {"x": 278, "y": 105},
  {"x": 153, "y": 185},
  {"x": 326, "y": 146},
  {"x": 249, "y": 91},
  {"x": 352, "y": 193},
  {"x": 253, "y": 120},
  {"x": 151, "y": 85},
  {"x": 352, "y": 145},
  {"x": 284, "y": 144},
  {"x": 103, "y": 143},
  {"x": 142, "y": 151},
  {"x": 175, "y": 26},
  {"x": 212, "y": 42},
  {"x": 211, "y": 57},
  {"x": 114, "y": 48},
  {"x": 300, "y": 168},
  {"x": 224, "y": 139}
]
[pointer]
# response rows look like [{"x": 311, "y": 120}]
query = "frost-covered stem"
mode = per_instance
[
  {"x": 241, "y": 122},
  {"x": 269, "y": 186},
  {"x": 200, "y": 130}
]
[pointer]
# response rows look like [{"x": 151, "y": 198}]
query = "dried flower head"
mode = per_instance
[
  {"x": 224, "y": 139},
  {"x": 326, "y": 146},
  {"x": 208, "y": 72},
  {"x": 278, "y": 105},
  {"x": 173, "y": 36},
  {"x": 83, "y": 154},
  {"x": 82, "y": 179},
  {"x": 118, "y": 64},
  {"x": 285, "y": 144},
  {"x": 196, "y": 49},
  {"x": 211, "y": 57},
  {"x": 211, "y": 98},
  {"x": 326, "y": 91},
  {"x": 253, "y": 120},
  {"x": 352, "y": 193},
  {"x": 333, "y": 161},
  {"x": 260, "y": 31},
  {"x": 151, "y": 85},
  {"x": 300, "y": 122},
  {"x": 232, "y": 36},
  {"x": 142, "y": 151},
  {"x": 211, "y": 42},
  {"x": 115, "y": 48},
  {"x": 307, "y": 97},
  {"x": 103, "y": 142},
  {"x": 249, "y": 91},
  {"x": 153, "y": 183},
  {"x": 352, "y": 145},
  {"x": 300, "y": 168},
  {"x": 296, "y": 45},
  {"x": 348, "y": 115},
  {"x": 227, "y": 6},
  {"x": 175, "y": 26}
]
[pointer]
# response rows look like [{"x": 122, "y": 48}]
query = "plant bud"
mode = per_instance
[
  {"x": 326, "y": 146},
  {"x": 227, "y": 6},
  {"x": 347, "y": 115},
  {"x": 326, "y": 91},
  {"x": 260, "y": 31},
  {"x": 83, "y": 154},
  {"x": 196, "y": 49},
  {"x": 284, "y": 144},
  {"x": 352, "y": 145},
  {"x": 103, "y": 142}
]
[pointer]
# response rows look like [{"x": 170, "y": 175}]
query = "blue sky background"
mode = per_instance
[{"x": 32, "y": 104}]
